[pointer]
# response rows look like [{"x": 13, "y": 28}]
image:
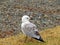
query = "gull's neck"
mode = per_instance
[{"x": 25, "y": 21}]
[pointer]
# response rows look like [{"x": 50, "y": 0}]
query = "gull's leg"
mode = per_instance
[
  {"x": 31, "y": 39},
  {"x": 25, "y": 39}
]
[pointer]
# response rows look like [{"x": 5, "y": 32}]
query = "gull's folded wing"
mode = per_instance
[{"x": 29, "y": 29}]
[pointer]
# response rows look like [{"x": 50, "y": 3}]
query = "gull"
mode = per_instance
[{"x": 30, "y": 29}]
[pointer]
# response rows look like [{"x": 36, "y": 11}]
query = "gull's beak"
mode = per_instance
[{"x": 31, "y": 18}]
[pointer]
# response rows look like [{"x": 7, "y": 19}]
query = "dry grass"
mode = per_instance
[{"x": 51, "y": 36}]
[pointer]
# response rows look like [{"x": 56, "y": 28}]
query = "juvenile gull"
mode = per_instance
[{"x": 30, "y": 29}]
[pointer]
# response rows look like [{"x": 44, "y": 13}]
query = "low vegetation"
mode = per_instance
[{"x": 51, "y": 37}]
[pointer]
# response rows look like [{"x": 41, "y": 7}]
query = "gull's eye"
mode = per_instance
[{"x": 27, "y": 18}]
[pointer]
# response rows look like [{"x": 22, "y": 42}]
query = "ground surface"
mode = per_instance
[
  {"x": 45, "y": 14},
  {"x": 51, "y": 37}
]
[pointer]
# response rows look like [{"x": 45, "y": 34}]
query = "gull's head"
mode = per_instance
[{"x": 25, "y": 18}]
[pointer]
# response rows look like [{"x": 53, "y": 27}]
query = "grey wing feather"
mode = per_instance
[{"x": 31, "y": 30}]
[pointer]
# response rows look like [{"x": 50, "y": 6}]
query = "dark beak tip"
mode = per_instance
[{"x": 31, "y": 18}]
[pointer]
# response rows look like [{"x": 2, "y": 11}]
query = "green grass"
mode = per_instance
[{"x": 51, "y": 37}]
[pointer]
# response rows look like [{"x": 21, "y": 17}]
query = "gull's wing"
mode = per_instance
[{"x": 30, "y": 29}]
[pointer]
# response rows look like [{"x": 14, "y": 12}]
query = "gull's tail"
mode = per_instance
[{"x": 40, "y": 39}]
